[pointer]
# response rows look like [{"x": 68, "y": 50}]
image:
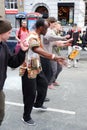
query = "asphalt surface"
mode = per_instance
[{"x": 67, "y": 109}]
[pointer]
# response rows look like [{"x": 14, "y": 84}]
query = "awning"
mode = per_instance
[
  {"x": 21, "y": 15},
  {"x": 34, "y": 15}
]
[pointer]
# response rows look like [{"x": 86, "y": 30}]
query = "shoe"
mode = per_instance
[
  {"x": 85, "y": 48},
  {"x": 50, "y": 86},
  {"x": 42, "y": 108},
  {"x": 69, "y": 66},
  {"x": 30, "y": 122},
  {"x": 46, "y": 99},
  {"x": 56, "y": 84},
  {"x": 75, "y": 66}
]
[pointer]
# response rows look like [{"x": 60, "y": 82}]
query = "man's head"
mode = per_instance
[
  {"x": 41, "y": 26},
  {"x": 5, "y": 29},
  {"x": 58, "y": 27},
  {"x": 52, "y": 22}
]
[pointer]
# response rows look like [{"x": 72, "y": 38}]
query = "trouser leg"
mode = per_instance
[
  {"x": 2, "y": 106},
  {"x": 54, "y": 71},
  {"x": 29, "y": 93},
  {"x": 46, "y": 66},
  {"x": 59, "y": 69},
  {"x": 42, "y": 85}
]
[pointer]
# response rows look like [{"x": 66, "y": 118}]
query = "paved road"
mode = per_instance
[{"x": 67, "y": 109}]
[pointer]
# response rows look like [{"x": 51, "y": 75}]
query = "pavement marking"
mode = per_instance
[
  {"x": 61, "y": 111},
  {"x": 48, "y": 109},
  {"x": 14, "y": 103}
]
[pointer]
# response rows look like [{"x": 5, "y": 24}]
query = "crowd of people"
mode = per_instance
[{"x": 38, "y": 55}]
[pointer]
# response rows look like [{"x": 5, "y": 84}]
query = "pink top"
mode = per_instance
[{"x": 23, "y": 33}]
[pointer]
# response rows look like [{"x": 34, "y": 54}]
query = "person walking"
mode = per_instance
[
  {"x": 34, "y": 83},
  {"x": 7, "y": 59}
]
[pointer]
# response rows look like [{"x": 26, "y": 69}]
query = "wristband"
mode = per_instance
[{"x": 53, "y": 56}]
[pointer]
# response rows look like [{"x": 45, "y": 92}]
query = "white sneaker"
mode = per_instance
[
  {"x": 69, "y": 66},
  {"x": 42, "y": 108},
  {"x": 85, "y": 48}
]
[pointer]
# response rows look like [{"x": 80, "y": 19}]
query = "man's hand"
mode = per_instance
[
  {"x": 68, "y": 42},
  {"x": 24, "y": 45},
  {"x": 61, "y": 60},
  {"x": 67, "y": 36}
]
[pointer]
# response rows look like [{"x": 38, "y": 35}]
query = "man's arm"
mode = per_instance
[
  {"x": 63, "y": 43},
  {"x": 61, "y": 60},
  {"x": 51, "y": 37}
]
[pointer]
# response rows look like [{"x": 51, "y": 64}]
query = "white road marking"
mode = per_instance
[
  {"x": 48, "y": 109},
  {"x": 61, "y": 111},
  {"x": 14, "y": 103}
]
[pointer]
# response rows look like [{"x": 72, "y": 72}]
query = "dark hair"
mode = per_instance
[
  {"x": 52, "y": 19},
  {"x": 40, "y": 22},
  {"x": 5, "y": 26},
  {"x": 75, "y": 24}
]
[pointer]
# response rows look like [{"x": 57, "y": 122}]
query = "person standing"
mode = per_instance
[
  {"x": 34, "y": 83},
  {"x": 7, "y": 59},
  {"x": 21, "y": 35},
  {"x": 74, "y": 33},
  {"x": 50, "y": 40}
]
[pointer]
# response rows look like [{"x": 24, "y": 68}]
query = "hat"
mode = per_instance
[{"x": 5, "y": 26}]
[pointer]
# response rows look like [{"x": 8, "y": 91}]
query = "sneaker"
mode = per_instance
[
  {"x": 30, "y": 122},
  {"x": 42, "y": 108},
  {"x": 46, "y": 99},
  {"x": 69, "y": 66},
  {"x": 85, "y": 48}
]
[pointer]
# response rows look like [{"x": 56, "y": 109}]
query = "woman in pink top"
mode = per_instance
[{"x": 21, "y": 35}]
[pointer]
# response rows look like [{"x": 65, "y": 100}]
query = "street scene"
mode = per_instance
[
  {"x": 43, "y": 65},
  {"x": 67, "y": 108}
]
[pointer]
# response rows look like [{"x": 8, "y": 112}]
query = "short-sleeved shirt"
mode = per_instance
[{"x": 32, "y": 59}]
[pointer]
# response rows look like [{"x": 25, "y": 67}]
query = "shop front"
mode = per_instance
[{"x": 66, "y": 13}]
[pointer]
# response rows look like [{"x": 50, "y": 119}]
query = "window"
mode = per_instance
[
  {"x": 43, "y": 10},
  {"x": 11, "y": 4},
  {"x": 66, "y": 13}
]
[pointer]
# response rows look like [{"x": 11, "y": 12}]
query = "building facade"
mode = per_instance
[{"x": 67, "y": 11}]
